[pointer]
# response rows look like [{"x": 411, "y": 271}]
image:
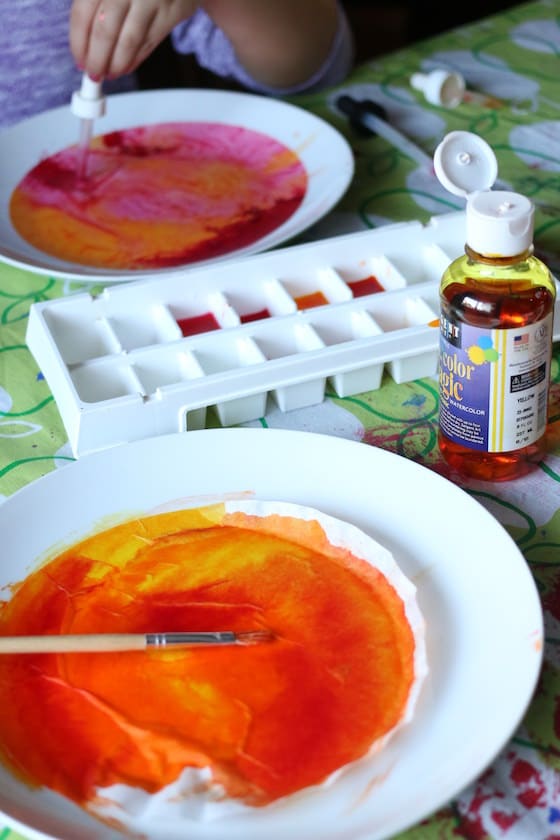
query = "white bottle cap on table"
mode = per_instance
[
  {"x": 440, "y": 87},
  {"x": 499, "y": 223}
]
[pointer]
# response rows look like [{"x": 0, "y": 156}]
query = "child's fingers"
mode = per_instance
[
  {"x": 112, "y": 37},
  {"x": 134, "y": 40},
  {"x": 105, "y": 32},
  {"x": 81, "y": 16},
  {"x": 94, "y": 30}
]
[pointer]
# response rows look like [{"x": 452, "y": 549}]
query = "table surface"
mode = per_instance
[{"x": 513, "y": 58}]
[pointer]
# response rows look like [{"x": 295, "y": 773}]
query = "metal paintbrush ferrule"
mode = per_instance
[
  {"x": 186, "y": 640},
  {"x": 182, "y": 640}
]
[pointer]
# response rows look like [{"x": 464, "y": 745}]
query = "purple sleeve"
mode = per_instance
[
  {"x": 37, "y": 70},
  {"x": 36, "y": 66},
  {"x": 213, "y": 50}
]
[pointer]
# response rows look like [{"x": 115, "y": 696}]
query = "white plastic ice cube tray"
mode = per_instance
[{"x": 121, "y": 368}]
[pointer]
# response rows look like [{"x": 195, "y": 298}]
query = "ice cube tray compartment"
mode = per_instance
[
  {"x": 154, "y": 356},
  {"x": 79, "y": 337},
  {"x": 157, "y": 371},
  {"x": 267, "y": 300},
  {"x": 141, "y": 327},
  {"x": 104, "y": 380}
]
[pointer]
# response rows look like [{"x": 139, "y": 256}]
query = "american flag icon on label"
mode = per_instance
[{"x": 521, "y": 340}]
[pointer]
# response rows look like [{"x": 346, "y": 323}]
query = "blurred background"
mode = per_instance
[{"x": 385, "y": 27}]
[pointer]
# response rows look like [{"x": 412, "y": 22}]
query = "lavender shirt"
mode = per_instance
[{"x": 37, "y": 71}]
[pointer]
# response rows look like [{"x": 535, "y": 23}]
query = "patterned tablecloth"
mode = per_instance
[{"x": 514, "y": 58}]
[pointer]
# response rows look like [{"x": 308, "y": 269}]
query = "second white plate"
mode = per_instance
[{"x": 483, "y": 615}]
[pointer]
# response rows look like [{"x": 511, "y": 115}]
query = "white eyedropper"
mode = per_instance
[{"x": 88, "y": 104}]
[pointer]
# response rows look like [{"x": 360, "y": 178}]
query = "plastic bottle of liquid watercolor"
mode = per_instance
[{"x": 496, "y": 317}]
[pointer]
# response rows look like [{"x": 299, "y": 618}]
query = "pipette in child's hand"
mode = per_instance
[{"x": 88, "y": 104}]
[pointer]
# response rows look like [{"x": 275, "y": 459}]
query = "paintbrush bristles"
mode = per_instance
[{"x": 255, "y": 637}]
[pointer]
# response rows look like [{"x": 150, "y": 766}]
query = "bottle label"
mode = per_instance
[{"x": 493, "y": 384}]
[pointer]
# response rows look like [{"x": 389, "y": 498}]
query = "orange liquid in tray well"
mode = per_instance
[
  {"x": 311, "y": 300},
  {"x": 268, "y": 719}
]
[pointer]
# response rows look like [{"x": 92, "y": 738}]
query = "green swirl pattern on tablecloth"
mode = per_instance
[{"x": 513, "y": 57}]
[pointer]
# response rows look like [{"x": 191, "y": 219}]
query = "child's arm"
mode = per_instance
[{"x": 280, "y": 43}]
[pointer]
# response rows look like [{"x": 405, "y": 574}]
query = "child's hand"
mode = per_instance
[{"x": 112, "y": 37}]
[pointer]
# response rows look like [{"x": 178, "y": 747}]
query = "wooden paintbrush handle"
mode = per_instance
[{"x": 90, "y": 642}]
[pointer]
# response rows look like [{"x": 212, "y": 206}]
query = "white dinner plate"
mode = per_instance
[
  {"x": 484, "y": 621},
  {"x": 324, "y": 152}
]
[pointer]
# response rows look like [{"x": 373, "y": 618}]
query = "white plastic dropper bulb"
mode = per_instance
[
  {"x": 440, "y": 87},
  {"x": 88, "y": 104}
]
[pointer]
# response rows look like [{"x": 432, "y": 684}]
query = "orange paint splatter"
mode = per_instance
[{"x": 268, "y": 719}]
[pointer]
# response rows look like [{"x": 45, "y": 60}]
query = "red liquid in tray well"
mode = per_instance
[
  {"x": 254, "y": 316},
  {"x": 198, "y": 324},
  {"x": 368, "y": 286}
]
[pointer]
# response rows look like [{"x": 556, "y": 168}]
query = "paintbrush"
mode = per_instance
[
  {"x": 88, "y": 104},
  {"x": 107, "y": 642}
]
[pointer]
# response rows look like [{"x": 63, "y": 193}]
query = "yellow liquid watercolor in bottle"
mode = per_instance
[{"x": 496, "y": 324}]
